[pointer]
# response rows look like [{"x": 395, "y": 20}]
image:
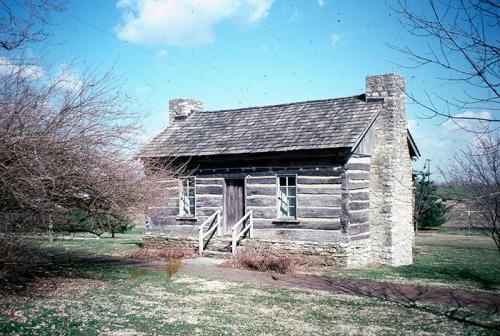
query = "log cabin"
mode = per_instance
[{"x": 330, "y": 178}]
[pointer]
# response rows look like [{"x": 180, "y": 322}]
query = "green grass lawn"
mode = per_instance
[
  {"x": 89, "y": 298},
  {"x": 91, "y": 245},
  {"x": 451, "y": 260},
  {"x": 123, "y": 301}
]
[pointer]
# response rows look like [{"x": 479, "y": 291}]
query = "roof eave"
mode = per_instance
[
  {"x": 358, "y": 141},
  {"x": 414, "y": 152}
]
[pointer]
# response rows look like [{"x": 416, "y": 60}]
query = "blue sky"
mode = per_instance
[{"x": 236, "y": 53}]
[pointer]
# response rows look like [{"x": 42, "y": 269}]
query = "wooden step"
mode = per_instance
[{"x": 219, "y": 244}]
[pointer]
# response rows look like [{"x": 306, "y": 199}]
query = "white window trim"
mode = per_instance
[
  {"x": 278, "y": 212},
  {"x": 181, "y": 193}
]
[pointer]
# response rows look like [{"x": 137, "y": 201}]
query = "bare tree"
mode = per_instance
[
  {"x": 461, "y": 38},
  {"x": 475, "y": 173},
  {"x": 25, "y": 21},
  {"x": 67, "y": 144}
]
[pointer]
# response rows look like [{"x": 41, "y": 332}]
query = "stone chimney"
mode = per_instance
[
  {"x": 391, "y": 193},
  {"x": 180, "y": 109}
]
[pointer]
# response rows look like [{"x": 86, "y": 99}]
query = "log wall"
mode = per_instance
[
  {"x": 319, "y": 200},
  {"x": 334, "y": 201},
  {"x": 166, "y": 220},
  {"x": 356, "y": 198}
]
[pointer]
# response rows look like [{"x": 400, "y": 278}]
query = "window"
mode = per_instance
[
  {"x": 287, "y": 196},
  {"x": 187, "y": 197}
]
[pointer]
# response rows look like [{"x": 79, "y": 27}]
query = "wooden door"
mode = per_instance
[{"x": 234, "y": 202}]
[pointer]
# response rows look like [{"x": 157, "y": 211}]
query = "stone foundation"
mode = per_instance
[
  {"x": 331, "y": 254},
  {"x": 342, "y": 254},
  {"x": 159, "y": 242},
  {"x": 350, "y": 254}
]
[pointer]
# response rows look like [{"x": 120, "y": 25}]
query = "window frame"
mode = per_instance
[
  {"x": 278, "y": 193},
  {"x": 182, "y": 179}
]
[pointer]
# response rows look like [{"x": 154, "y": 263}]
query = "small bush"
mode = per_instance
[
  {"x": 260, "y": 259},
  {"x": 18, "y": 263},
  {"x": 172, "y": 267},
  {"x": 169, "y": 254}
]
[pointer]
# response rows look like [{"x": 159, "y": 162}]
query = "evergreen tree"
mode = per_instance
[{"x": 430, "y": 209}]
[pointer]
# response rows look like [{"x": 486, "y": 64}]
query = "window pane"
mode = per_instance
[
  {"x": 283, "y": 192},
  {"x": 287, "y": 194},
  {"x": 283, "y": 211},
  {"x": 185, "y": 201},
  {"x": 185, "y": 209},
  {"x": 187, "y": 204}
]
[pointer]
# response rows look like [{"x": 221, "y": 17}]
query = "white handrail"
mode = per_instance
[
  {"x": 202, "y": 235},
  {"x": 235, "y": 235}
]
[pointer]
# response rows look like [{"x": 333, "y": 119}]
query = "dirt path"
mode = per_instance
[{"x": 387, "y": 291}]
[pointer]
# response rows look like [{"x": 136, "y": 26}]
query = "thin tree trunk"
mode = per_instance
[{"x": 51, "y": 230}]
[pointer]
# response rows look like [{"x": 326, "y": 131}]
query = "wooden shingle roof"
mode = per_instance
[{"x": 317, "y": 124}]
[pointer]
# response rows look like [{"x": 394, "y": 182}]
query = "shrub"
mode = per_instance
[
  {"x": 172, "y": 267},
  {"x": 18, "y": 263},
  {"x": 260, "y": 259}
]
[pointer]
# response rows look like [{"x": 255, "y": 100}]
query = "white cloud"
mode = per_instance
[
  {"x": 439, "y": 142},
  {"x": 10, "y": 67},
  {"x": 425, "y": 138},
  {"x": 67, "y": 78},
  {"x": 334, "y": 39},
  {"x": 321, "y": 3},
  {"x": 184, "y": 22},
  {"x": 252, "y": 11},
  {"x": 474, "y": 125}
]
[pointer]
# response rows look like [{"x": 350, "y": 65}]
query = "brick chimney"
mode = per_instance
[
  {"x": 180, "y": 109},
  {"x": 391, "y": 193}
]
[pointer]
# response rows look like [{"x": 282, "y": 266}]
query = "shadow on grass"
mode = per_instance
[
  {"x": 470, "y": 308},
  {"x": 484, "y": 279},
  {"x": 460, "y": 306},
  {"x": 137, "y": 244},
  {"x": 28, "y": 265}
]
